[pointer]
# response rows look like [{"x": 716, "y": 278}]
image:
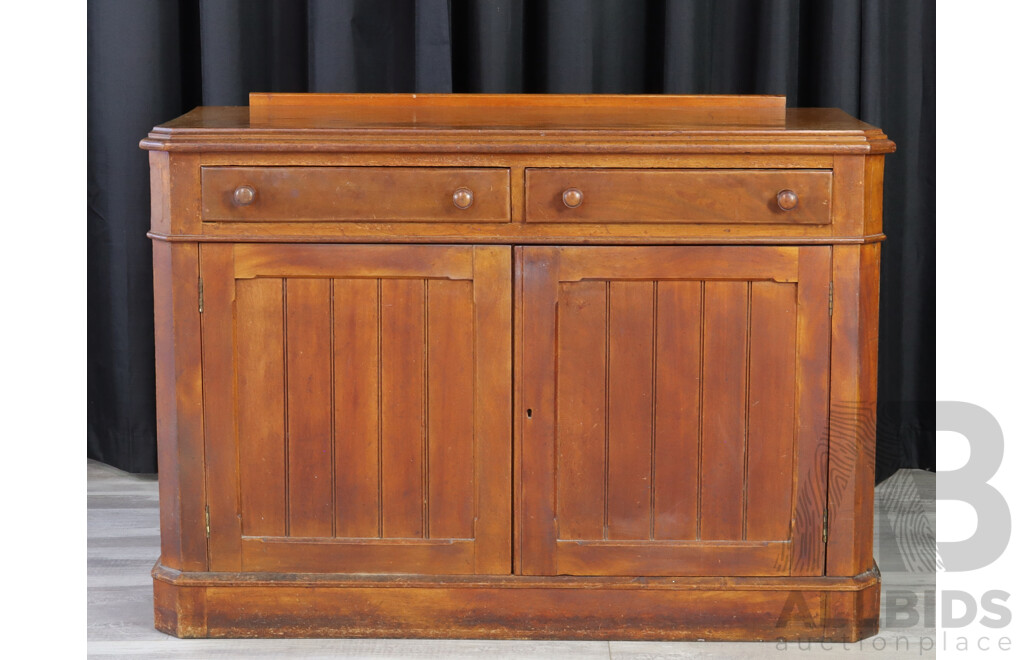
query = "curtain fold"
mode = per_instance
[{"x": 148, "y": 62}]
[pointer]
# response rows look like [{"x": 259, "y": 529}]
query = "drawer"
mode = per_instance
[
  {"x": 355, "y": 194},
  {"x": 679, "y": 196}
]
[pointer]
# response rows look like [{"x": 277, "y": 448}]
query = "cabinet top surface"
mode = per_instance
[{"x": 517, "y": 123}]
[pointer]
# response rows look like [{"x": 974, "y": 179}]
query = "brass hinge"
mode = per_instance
[
  {"x": 207, "y": 521},
  {"x": 201, "y": 295},
  {"x": 829, "y": 299},
  {"x": 824, "y": 526}
]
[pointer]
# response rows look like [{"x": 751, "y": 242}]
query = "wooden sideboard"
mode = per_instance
[{"x": 579, "y": 367}]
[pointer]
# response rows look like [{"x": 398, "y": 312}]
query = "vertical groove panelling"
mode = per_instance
[
  {"x": 700, "y": 406},
  {"x": 402, "y": 392},
  {"x": 677, "y": 393},
  {"x": 653, "y": 411},
  {"x": 425, "y": 408},
  {"x": 723, "y": 410},
  {"x": 334, "y": 426},
  {"x": 355, "y": 404},
  {"x": 629, "y": 415},
  {"x": 284, "y": 363},
  {"x": 451, "y": 484},
  {"x": 261, "y": 464},
  {"x": 581, "y": 410},
  {"x": 772, "y": 394},
  {"x": 380, "y": 420},
  {"x": 607, "y": 404},
  {"x": 746, "y": 413},
  {"x": 309, "y": 408}
]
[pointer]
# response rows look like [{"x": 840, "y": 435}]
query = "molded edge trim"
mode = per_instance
[
  {"x": 525, "y": 240},
  {"x": 174, "y": 577}
]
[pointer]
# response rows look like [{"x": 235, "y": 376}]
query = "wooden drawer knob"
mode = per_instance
[
  {"x": 572, "y": 197},
  {"x": 463, "y": 198},
  {"x": 244, "y": 195},
  {"x": 787, "y": 200}
]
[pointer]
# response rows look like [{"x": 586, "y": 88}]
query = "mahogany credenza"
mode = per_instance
[{"x": 591, "y": 367}]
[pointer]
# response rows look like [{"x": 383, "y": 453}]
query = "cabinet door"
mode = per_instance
[
  {"x": 358, "y": 407},
  {"x": 673, "y": 410}
]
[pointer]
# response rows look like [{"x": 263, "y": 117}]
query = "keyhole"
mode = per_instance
[{"x": 529, "y": 413}]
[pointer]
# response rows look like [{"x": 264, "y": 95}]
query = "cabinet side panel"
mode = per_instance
[
  {"x": 185, "y": 194},
  {"x": 848, "y": 196},
  {"x": 160, "y": 192},
  {"x": 179, "y": 405},
  {"x": 677, "y": 409},
  {"x": 723, "y": 410},
  {"x": 852, "y": 409},
  {"x": 259, "y": 327},
  {"x": 357, "y": 407}
]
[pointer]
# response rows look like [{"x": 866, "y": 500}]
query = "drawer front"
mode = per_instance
[
  {"x": 355, "y": 194},
  {"x": 679, "y": 196}
]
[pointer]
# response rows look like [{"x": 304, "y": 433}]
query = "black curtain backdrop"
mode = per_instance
[{"x": 151, "y": 61}]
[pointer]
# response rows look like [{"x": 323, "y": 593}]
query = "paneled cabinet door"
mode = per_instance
[
  {"x": 673, "y": 410},
  {"x": 357, "y": 407}
]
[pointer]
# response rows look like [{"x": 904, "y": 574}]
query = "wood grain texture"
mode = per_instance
[
  {"x": 852, "y": 403},
  {"x": 606, "y": 608},
  {"x": 771, "y": 411},
  {"x": 259, "y": 101},
  {"x": 529, "y": 123},
  {"x": 403, "y": 396},
  {"x": 361, "y": 261},
  {"x": 259, "y": 324},
  {"x": 630, "y": 409},
  {"x": 539, "y": 415},
  {"x": 290, "y": 555},
  {"x": 160, "y": 192},
  {"x": 219, "y": 405},
  {"x": 179, "y": 410},
  {"x": 492, "y": 419},
  {"x": 678, "y": 196},
  {"x": 651, "y": 366},
  {"x": 309, "y": 429},
  {"x": 403, "y": 410},
  {"x": 723, "y": 414},
  {"x": 357, "y": 407},
  {"x": 362, "y": 194},
  {"x": 812, "y": 391},
  {"x": 582, "y": 433},
  {"x": 371, "y": 405},
  {"x": 776, "y": 263},
  {"x": 673, "y": 558},
  {"x": 450, "y": 410},
  {"x": 677, "y": 409}
]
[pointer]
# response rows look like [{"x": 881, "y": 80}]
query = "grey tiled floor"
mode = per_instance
[{"x": 124, "y": 543}]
